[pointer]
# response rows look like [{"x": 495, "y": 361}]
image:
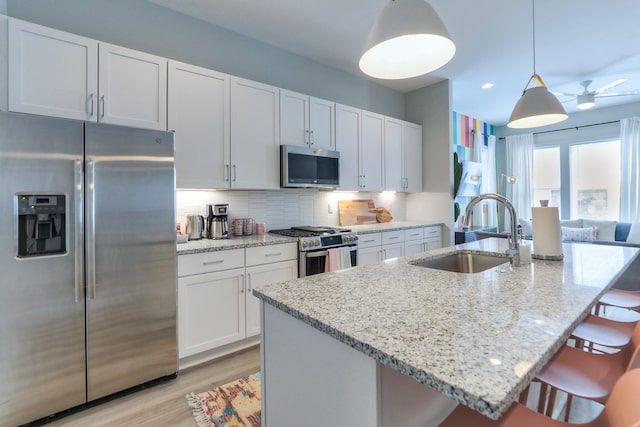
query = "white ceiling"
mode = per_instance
[{"x": 576, "y": 40}]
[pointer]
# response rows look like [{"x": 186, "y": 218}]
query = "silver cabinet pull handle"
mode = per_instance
[
  {"x": 394, "y": 237},
  {"x": 79, "y": 211},
  {"x": 273, "y": 254},
  {"x": 307, "y": 137},
  {"x": 227, "y": 173},
  {"x": 234, "y": 173},
  {"x": 91, "y": 229},
  {"x": 248, "y": 282},
  {"x": 242, "y": 283},
  {"x": 101, "y": 107},
  {"x": 90, "y": 102},
  {"x": 218, "y": 261},
  {"x": 312, "y": 139}
]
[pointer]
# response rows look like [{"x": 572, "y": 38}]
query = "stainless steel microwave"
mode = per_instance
[{"x": 309, "y": 167}]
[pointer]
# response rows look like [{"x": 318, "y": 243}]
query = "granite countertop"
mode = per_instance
[
  {"x": 239, "y": 242},
  {"x": 387, "y": 226},
  {"x": 477, "y": 338},
  {"x": 235, "y": 242}
]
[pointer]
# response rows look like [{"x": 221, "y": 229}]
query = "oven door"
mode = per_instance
[{"x": 314, "y": 262}]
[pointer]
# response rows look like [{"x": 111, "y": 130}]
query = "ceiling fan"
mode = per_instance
[{"x": 587, "y": 98}]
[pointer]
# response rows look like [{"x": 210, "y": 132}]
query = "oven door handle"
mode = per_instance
[{"x": 315, "y": 254}]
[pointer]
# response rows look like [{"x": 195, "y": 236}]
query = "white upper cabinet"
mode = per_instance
[
  {"x": 393, "y": 178},
  {"x": 348, "y": 130},
  {"x": 371, "y": 152},
  {"x": 55, "y": 73},
  {"x": 412, "y": 157},
  {"x": 198, "y": 111},
  {"x": 51, "y": 72},
  {"x": 306, "y": 121},
  {"x": 255, "y": 135},
  {"x": 402, "y": 156},
  {"x": 133, "y": 88}
]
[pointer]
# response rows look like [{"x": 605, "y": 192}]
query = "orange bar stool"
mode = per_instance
[
  {"x": 603, "y": 331},
  {"x": 620, "y": 298},
  {"x": 621, "y": 410},
  {"x": 587, "y": 375}
]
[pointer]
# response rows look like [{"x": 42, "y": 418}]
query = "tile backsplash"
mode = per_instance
[{"x": 283, "y": 208}]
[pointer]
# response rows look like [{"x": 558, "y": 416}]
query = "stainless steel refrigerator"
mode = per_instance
[{"x": 87, "y": 262}]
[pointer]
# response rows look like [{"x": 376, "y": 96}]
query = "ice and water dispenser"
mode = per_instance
[{"x": 41, "y": 224}]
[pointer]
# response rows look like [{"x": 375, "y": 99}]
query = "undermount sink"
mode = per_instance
[{"x": 463, "y": 262}]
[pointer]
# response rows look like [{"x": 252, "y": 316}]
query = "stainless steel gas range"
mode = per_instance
[{"x": 314, "y": 244}]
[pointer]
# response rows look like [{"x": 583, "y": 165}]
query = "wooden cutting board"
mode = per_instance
[{"x": 356, "y": 212}]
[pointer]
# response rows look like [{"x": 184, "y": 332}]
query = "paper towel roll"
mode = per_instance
[{"x": 547, "y": 237}]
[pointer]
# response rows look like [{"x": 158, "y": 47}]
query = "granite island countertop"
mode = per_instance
[{"x": 477, "y": 338}]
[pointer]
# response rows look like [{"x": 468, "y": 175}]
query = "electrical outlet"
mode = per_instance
[{"x": 329, "y": 208}]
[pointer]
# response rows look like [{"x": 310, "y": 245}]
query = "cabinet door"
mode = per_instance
[
  {"x": 294, "y": 118},
  {"x": 348, "y": 128},
  {"x": 414, "y": 247},
  {"x": 393, "y": 178},
  {"x": 412, "y": 157},
  {"x": 322, "y": 124},
  {"x": 261, "y": 275},
  {"x": 372, "y": 255},
  {"x": 211, "y": 310},
  {"x": 255, "y": 135},
  {"x": 394, "y": 250},
  {"x": 435, "y": 243},
  {"x": 198, "y": 111},
  {"x": 52, "y": 73},
  {"x": 371, "y": 166},
  {"x": 133, "y": 88}
]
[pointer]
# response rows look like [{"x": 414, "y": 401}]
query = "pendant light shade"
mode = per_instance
[
  {"x": 407, "y": 40},
  {"x": 537, "y": 106}
]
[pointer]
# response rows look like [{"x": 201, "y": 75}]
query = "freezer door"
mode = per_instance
[
  {"x": 130, "y": 257},
  {"x": 41, "y": 297}
]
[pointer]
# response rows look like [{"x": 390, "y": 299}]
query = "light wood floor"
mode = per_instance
[{"x": 165, "y": 404}]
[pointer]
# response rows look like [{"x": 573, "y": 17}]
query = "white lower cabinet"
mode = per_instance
[
  {"x": 210, "y": 286},
  {"x": 422, "y": 239},
  {"x": 215, "y": 303}
]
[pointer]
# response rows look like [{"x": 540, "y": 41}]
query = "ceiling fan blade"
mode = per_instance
[
  {"x": 573, "y": 95},
  {"x": 628, "y": 93},
  {"x": 609, "y": 86}
]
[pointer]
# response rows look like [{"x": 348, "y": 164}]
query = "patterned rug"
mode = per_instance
[{"x": 236, "y": 404}]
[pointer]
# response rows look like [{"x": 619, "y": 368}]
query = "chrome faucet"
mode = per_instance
[{"x": 514, "y": 247}]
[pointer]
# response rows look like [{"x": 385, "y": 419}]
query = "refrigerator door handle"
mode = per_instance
[
  {"x": 91, "y": 231},
  {"x": 79, "y": 243}
]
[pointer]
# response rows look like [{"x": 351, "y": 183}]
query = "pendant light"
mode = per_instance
[
  {"x": 537, "y": 106},
  {"x": 407, "y": 40}
]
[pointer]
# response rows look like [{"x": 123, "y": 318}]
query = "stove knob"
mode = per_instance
[
  {"x": 305, "y": 243},
  {"x": 317, "y": 242}
]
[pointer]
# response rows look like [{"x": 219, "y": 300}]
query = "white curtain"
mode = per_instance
[
  {"x": 519, "y": 164},
  {"x": 629, "y": 169},
  {"x": 486, "y": 155}
]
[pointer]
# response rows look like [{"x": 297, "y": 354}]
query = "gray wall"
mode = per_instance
[
  {"x": 144, "y": 26},
  {"x": 431, "y": 106}
]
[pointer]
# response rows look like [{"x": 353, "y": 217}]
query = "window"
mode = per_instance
[
  {"x": 546, "y": 176},
  {"x": 581, "y": 179},
  {"x": 595, "y": 180}
]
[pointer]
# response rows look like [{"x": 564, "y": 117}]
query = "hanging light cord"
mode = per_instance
[{"x": 535, "y": 75}]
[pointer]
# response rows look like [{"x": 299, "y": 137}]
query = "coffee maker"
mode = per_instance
[{"x": 218, "y": 222}]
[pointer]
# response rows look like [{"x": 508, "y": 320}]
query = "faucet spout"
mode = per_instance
[{"x": 514, "y": 247}]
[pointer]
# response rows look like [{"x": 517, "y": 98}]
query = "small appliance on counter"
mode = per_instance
[
  {"x": 218, "y": 222},
  {"x": 195, "y": 227}
]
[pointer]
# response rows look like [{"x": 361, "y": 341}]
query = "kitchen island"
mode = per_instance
[{"x": 397, "y": 344}]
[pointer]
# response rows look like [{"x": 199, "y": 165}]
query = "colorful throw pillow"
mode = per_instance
[
  {"x": 606, "y": 229},
  {"x": 587, "y": 234}
]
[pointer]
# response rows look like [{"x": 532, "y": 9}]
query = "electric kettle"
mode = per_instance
[{"x": 195, "y": 226}]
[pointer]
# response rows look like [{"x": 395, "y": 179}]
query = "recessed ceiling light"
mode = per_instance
[{"x": 487, "y": 86}]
